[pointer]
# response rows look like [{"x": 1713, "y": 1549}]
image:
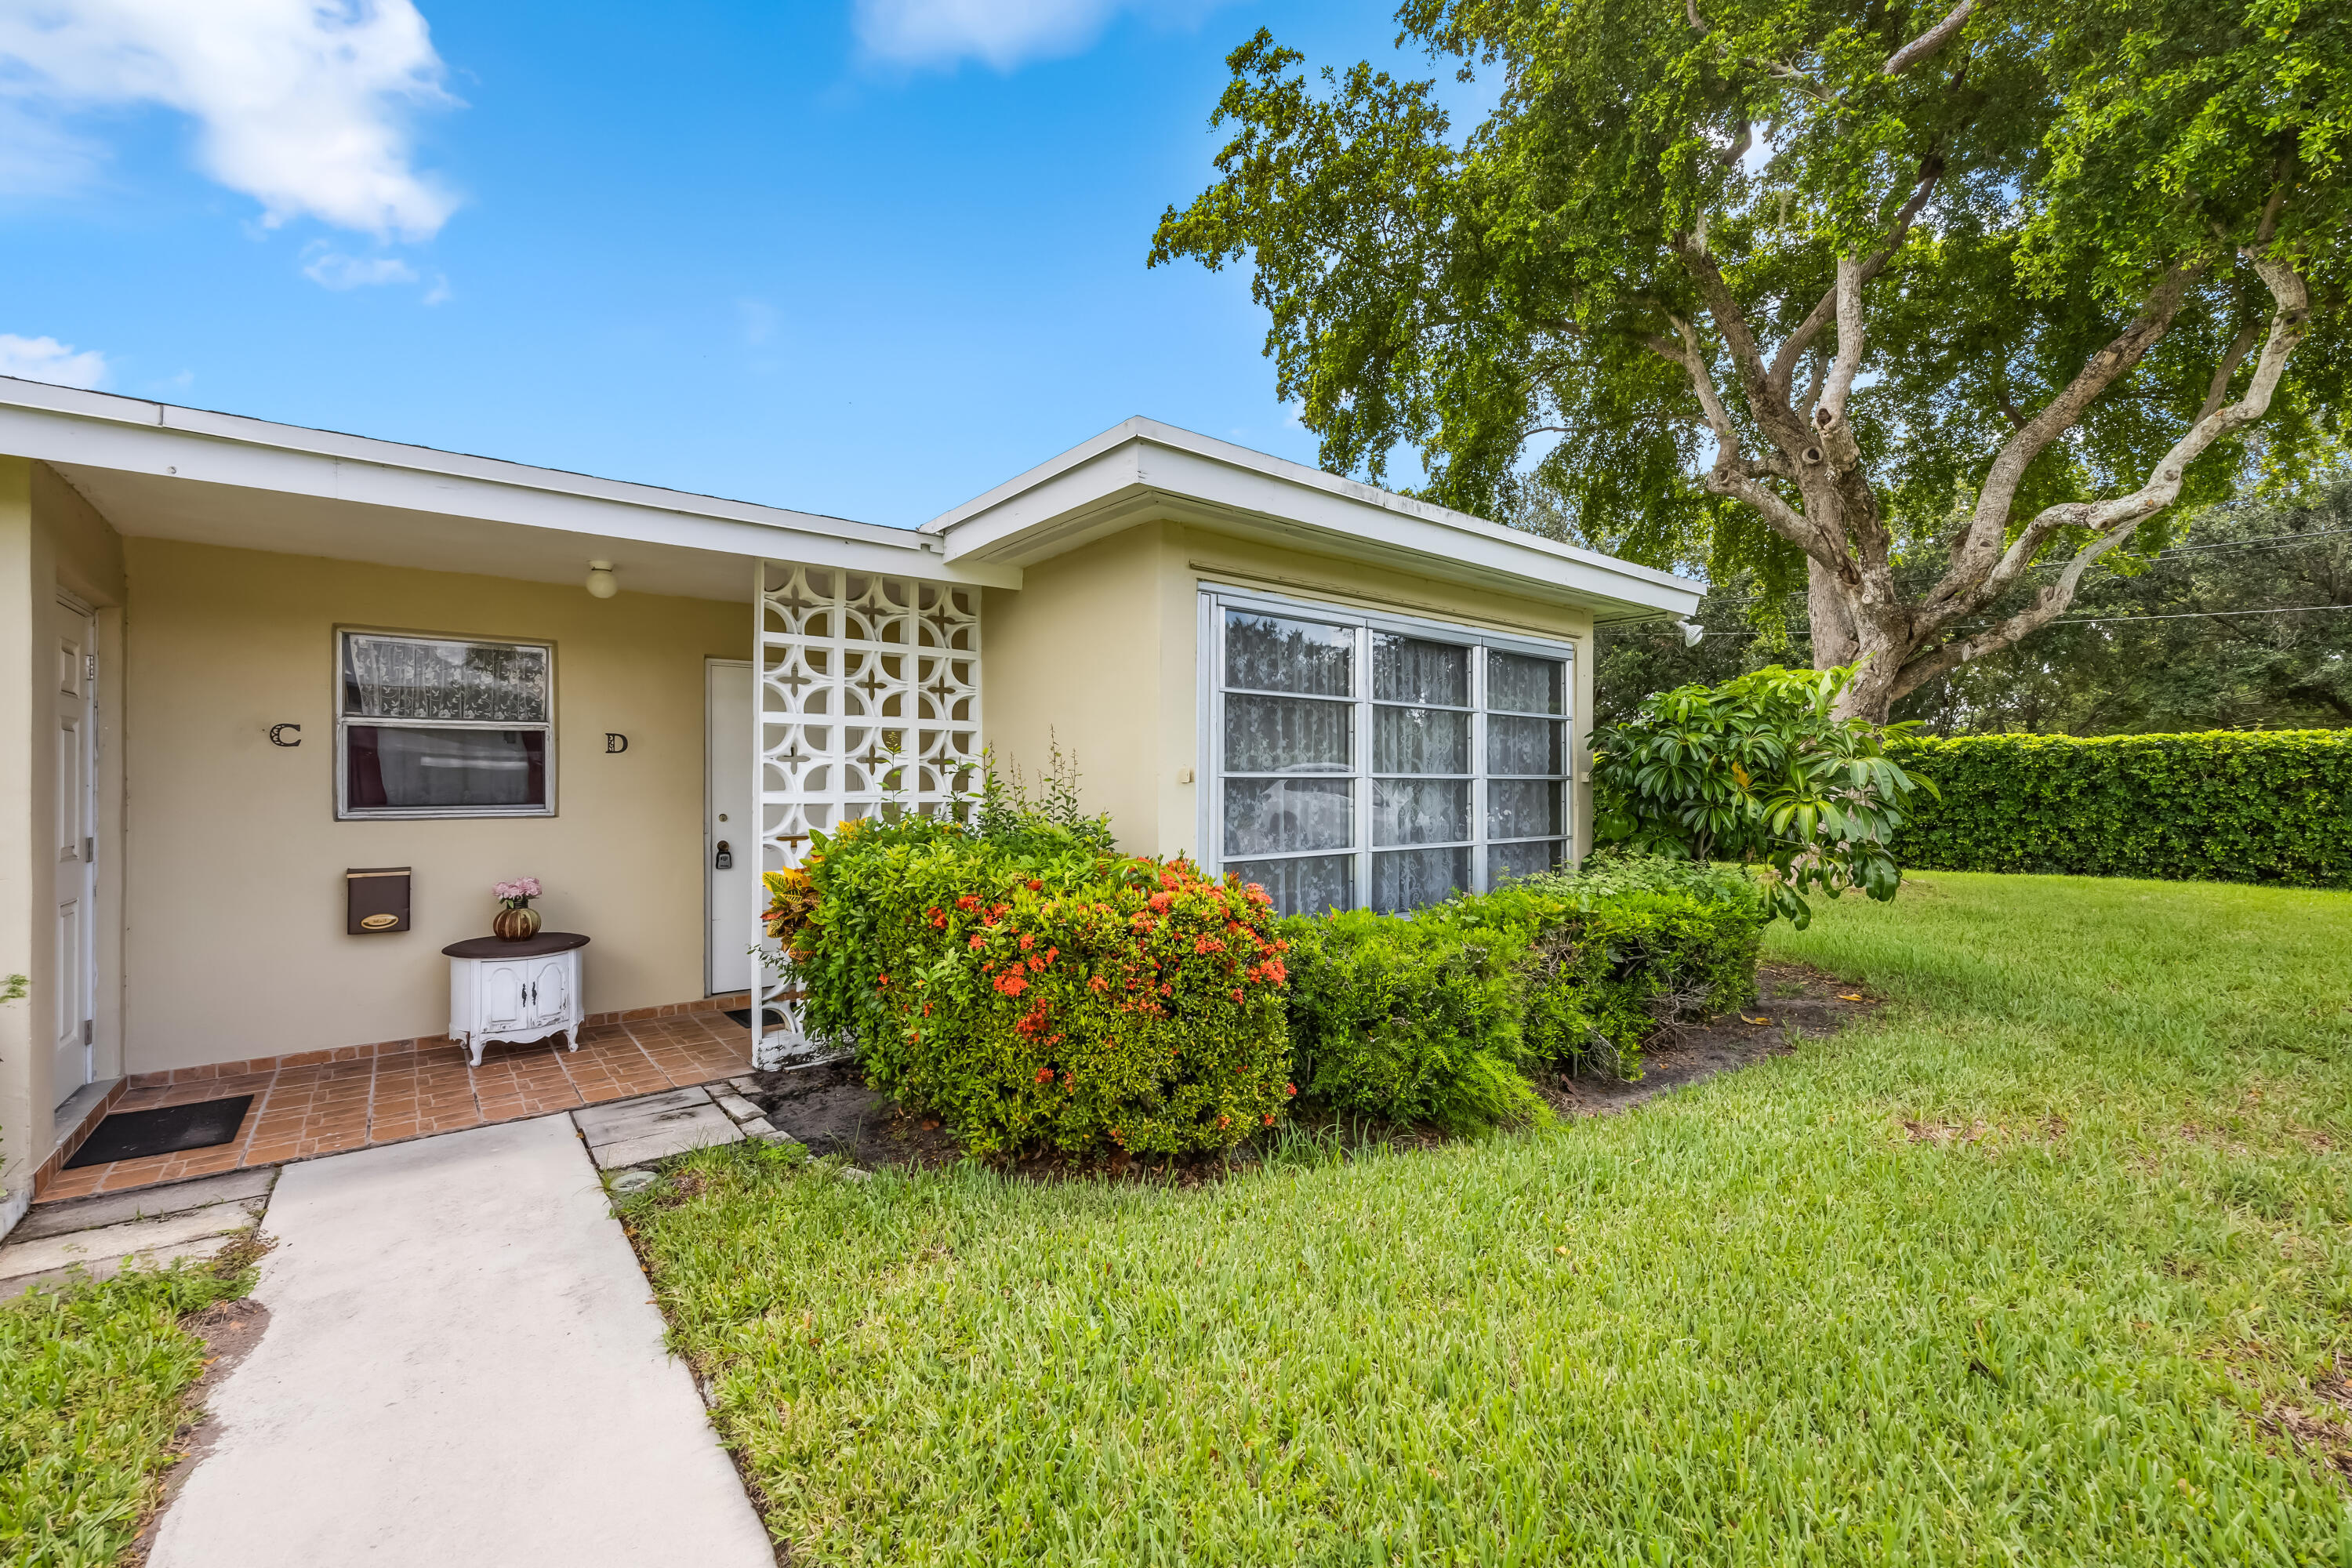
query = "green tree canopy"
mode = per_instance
[{"x": 1807, "y": 288}]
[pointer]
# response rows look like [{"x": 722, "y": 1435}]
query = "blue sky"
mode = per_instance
[{"x": 860, "y": 256}]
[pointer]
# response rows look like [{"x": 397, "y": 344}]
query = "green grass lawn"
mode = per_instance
[
  {"x": 91, "y": 1380},
  {"x": 2030, "y": 1268}
]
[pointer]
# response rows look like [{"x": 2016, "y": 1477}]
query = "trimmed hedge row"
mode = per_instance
[
  {"x": 1431, "y": 1015},
  {"x": 2228, "y": 806}
]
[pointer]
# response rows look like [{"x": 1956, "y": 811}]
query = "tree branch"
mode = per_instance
[
  {"x": 2232, "y": 357},
  {"x": 1739, "y": 145},
  {"x": 2112, "y": 520},
  {"x": 1965, "y": 585},
  {"x": 1837, "y": 447},
  {"x": 1928, "y": 42},
  {"x": 1804, "y": 406},
  {"x": 1729, "y": 320},
  {"x": 1784, "y": 363},
  {"x": 1733, "y": 474}
]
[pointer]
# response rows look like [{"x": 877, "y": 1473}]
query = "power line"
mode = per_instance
[
  {"x": 2191, "y": 614},
  {"x": 2064, "y": 620},
  {"x": 2045, "y": 566},
  {"x": 2250, "y": 543}
]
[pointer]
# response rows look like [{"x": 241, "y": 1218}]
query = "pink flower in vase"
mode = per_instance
[{"x": 517, "y": 894}]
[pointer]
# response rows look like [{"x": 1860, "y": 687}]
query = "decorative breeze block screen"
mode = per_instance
[{"x": 870, "y": 705}]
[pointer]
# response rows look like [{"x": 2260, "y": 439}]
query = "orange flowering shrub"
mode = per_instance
[{"x": 1040, "y": 993}]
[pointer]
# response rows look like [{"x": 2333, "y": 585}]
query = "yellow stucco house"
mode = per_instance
[{"x": 246, "y": 660}]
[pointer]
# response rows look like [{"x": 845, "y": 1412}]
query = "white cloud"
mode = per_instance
[
  {"x": 1003, "y": 33},
  {"x": 333, "y": 269},
  {"x": 46, "y": 359},
  {"x": 303, "y": 105}
]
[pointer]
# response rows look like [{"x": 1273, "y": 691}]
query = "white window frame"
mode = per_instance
[
  {"x": 346, "y": 812},
  {"x": 1215, "y": 599}
]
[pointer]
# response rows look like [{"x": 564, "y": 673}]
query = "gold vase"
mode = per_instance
[{"x": 515, "y": 924}]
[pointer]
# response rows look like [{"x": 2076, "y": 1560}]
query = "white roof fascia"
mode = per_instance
[
  {"x": 1100, "y": 485},
  {"x": 69, "y": 426}
]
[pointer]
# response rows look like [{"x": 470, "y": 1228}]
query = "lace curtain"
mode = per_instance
[{"x": 1298, "y": 774}]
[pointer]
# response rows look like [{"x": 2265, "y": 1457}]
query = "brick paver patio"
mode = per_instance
[{"x": 301, "y": 1112}]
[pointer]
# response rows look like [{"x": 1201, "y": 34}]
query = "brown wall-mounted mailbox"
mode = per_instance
[{"x": 377, "y": 900}]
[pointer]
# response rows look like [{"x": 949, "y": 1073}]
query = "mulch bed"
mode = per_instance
[
  {"x": 1794, "y": 1002},
  {"x": 829, "y": 1109}
]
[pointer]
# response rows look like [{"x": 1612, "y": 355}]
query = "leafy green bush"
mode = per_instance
[
  {"x": 1030, "y": 989},
  {"x": 1408, "y": 1019},
  {"x": 1608, "y": 873},
  {"x": 1431, "y": 1017},
  {"x": 1758, "y": 770},
  {"x": 1613, "y": 951},
  {"x": 2226, "y": 807}
]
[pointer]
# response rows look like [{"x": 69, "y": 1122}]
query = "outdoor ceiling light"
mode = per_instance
[{"x": 600, "y": 580}]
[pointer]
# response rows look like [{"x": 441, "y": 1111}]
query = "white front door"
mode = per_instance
[
  {"x": 730, "y": 839},
  {"x": 75, "y": 984}
]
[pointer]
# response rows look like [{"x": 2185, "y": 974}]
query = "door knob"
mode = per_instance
[{"x": 726, "y": 857}]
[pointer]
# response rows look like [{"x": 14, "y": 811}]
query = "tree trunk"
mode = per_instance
[
  {"x": 1834, "y": 638},
  {"x": 1854, "y": 639},
  {"x": 1870, "y": 695}
]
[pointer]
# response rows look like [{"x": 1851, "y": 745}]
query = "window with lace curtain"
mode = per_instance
[
  {"x": 431, "y": 726},
  {"x": 1365, "y": 761}
]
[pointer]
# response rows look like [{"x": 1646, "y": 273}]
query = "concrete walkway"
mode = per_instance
[{"x": 461, "y": 1368}]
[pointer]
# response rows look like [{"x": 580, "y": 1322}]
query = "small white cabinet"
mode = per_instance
[{"x": 518, "y": 991}]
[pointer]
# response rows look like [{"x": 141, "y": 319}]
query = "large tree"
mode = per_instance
[
  {"x": 1814, "y": 287},
  {"x": 2244, "y": 624}
]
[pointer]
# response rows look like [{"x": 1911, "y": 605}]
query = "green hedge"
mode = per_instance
[
  {"x": 1612, "y": 948},
  {"x": 2228, "y": 806},
  {"x": 1408, "y": 1020},
  {"x": 1430, "y": 1016}
]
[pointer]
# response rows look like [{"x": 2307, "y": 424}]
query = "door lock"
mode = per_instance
[{"x": 725, "y": 860}]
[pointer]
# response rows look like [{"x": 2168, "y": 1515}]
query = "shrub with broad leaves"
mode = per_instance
[{"x": 1758, "y": 770}]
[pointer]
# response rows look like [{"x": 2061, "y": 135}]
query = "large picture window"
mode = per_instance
[
  {"x": 1362, "y": 760},
  {"x": 439, "y": 727}
]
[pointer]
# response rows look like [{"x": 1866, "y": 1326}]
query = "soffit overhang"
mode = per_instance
[
  {"x": 157, "y": 470},
  {"x": 1142, "y": 471}
]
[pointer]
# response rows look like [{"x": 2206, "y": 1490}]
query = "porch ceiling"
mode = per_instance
[
  {"x": 147, "y": 507},
  {"x": 154, "y": 470}
]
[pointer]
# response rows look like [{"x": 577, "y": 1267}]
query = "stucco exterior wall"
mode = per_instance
[
  {"x": 24, "y": 1137},
  {"x": 50, "y": 540},
  {"x": 237, "y": 946},
  {"x": 1101, "y": 644},
  {"x": 1074, "y": 657}
]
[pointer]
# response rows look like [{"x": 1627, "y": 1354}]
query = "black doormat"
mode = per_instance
[
  {"x": 769, "y": 1018},
  {"x": 166, "y": 1130}
]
